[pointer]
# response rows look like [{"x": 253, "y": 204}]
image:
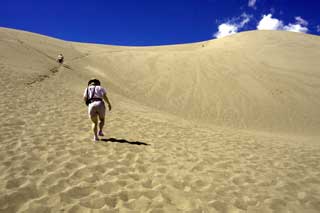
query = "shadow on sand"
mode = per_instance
[{"x": 124, "y": 141}]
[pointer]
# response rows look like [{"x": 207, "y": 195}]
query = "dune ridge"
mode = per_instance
[{"x": 228, "y": 125}]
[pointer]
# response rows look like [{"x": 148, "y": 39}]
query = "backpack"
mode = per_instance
[{"x": 88, "y": 101}]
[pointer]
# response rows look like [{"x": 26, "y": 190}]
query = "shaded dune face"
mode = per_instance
[{"x": 260, "y": 80}]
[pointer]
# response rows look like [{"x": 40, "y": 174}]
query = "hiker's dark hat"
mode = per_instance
[{"x": 94, "y": 82}]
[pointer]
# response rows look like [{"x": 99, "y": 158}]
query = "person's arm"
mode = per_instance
[
  {"x": 85, "y": 95},
  {"x": 107, "y": 101}
]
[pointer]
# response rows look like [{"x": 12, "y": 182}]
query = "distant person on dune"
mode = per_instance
[
  {"x": 94, "y": 95},
  {"x": 60, "y": 58}
]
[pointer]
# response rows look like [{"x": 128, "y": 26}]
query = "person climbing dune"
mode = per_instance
[
  {"x": 94, "y": 97},
  {"x": 60, "y": 58}
]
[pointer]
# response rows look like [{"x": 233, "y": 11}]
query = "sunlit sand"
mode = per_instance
[{"x": 227, "y": 125}]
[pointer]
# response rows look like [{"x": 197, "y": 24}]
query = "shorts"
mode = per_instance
[{"x": 97, "y": 108}]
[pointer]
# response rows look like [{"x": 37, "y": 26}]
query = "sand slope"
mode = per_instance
[
  {"x": 254, "y": 80},
  {"x": 182, "y": 136}
]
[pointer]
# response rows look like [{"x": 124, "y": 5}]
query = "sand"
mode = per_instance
[{"x": 228, "y": 125}]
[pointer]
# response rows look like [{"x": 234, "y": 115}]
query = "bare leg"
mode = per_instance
[
  {"x": 95, "y": 127},
  {"x": 101, "y": 124}
]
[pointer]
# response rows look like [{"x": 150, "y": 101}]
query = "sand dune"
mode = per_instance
[
  {"x": 254, "y": 80},
  {"x": 228, "y": 125}
]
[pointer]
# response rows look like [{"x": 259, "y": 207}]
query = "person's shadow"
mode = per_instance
[{"x": 115, "y": 140}]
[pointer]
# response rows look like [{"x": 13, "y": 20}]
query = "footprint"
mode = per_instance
[
  {"x": 108, "y": 188},
  {"x": 78, "y": 192},
  {"x": 15, "y": 182}
]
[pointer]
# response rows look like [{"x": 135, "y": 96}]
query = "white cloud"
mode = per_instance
[
  {"x": 301, "y": 21},
  {"x": 299, "y": 26},
  {"x": 225, "y": 30},
  {"x": 232, "y": 26},
  {"x": 295, "y": 28},
  {"x": 245, "y": 19},
  {"x": 252, "y": 3},
  {"x": 269, "y": 23},
  {"x": 318, "y": 28}
]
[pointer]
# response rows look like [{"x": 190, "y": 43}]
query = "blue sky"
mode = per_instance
[{"x": 154, "y": 22}]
